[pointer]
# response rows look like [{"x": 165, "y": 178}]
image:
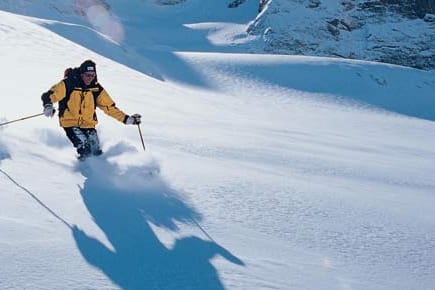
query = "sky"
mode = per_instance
[{"x": 260, "y": 171}]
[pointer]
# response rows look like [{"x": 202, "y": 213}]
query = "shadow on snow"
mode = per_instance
[
  {"x": 4, "y": 154},
  {"x": 123, "y": 205}
]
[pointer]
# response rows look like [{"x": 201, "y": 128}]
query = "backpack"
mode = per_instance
[
  {"x": 68, "y": 72},
  {"x": 72, "y": 80}
]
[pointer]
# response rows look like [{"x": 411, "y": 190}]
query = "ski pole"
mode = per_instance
[
  {"x": 141, "y": 137},
  {"x": 24, "y": 118}
]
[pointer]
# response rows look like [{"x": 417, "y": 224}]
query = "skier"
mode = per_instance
[{"x": 78, "y": 94}]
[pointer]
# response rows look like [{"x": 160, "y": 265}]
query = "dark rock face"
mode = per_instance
[
  {"x": 408, "y": 8},
  {"x": 394, "y": 31},
  {"x": 235, "y": 3},
  {"x": 169, "y": 2}
]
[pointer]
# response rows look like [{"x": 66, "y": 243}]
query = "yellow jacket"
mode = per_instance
[{"x": 77, "y": 103}]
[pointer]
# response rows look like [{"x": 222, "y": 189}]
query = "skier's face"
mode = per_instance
[{"x": 88, "y": 77}]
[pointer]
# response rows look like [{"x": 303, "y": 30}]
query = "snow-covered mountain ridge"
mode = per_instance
[{"x": 398, "y": 32}]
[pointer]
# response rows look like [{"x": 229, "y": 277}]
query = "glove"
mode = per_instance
[
  {"x": 133, "y": 119},
  {"x": 49, "y": 110}
]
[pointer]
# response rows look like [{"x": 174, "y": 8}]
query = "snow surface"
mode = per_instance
[{"x": 276, "y": 172}]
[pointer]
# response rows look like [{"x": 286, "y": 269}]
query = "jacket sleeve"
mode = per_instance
[
  {"x": 54, "y": 94},
  {"x": 105, "y": 103}
]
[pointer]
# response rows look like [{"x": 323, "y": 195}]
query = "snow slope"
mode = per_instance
[{"x": 276, "y": 172}]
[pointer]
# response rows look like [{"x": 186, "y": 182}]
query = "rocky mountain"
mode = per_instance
[{"x": 392, "y": 31}]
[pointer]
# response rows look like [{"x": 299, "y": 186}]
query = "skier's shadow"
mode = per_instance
[{"x": 139, "y": 260}]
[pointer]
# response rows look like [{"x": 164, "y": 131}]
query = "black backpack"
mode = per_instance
[{"x": 72, "y": 81}]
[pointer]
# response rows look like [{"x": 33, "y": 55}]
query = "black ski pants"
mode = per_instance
[{"x": 85, "y": 140}]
